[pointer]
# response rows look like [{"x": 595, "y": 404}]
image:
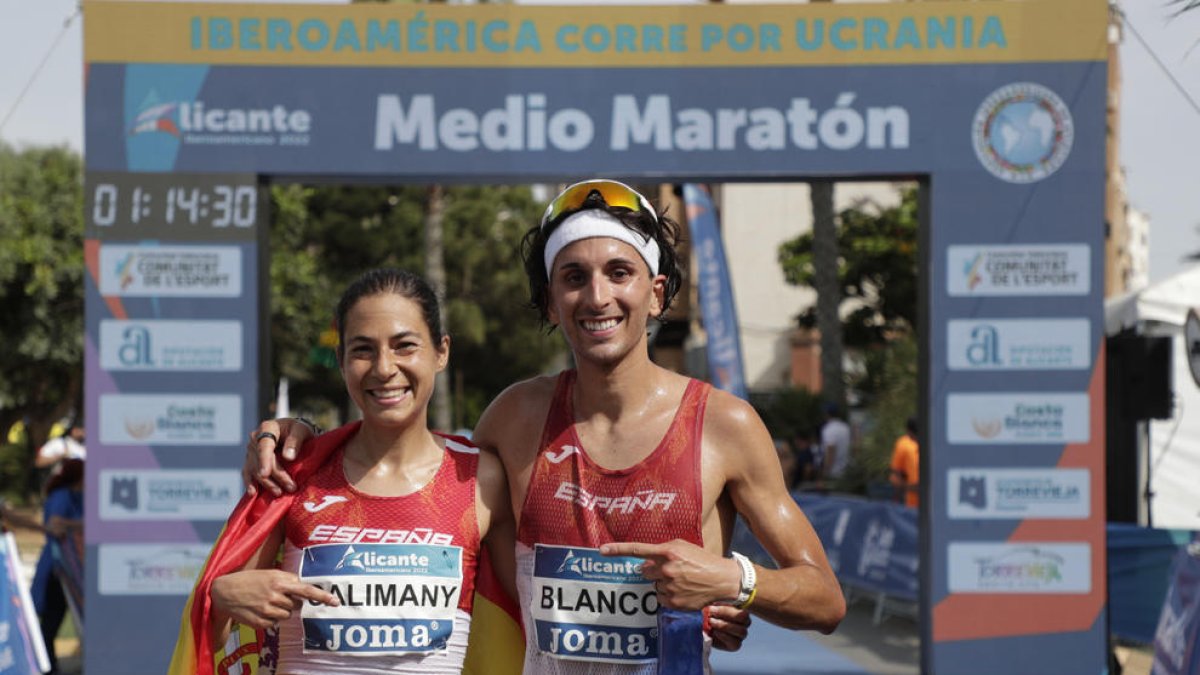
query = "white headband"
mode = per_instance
[{"x": 592, "y": 223}]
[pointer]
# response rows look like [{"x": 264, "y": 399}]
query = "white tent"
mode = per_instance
[{"x": 1162, "y": 309}]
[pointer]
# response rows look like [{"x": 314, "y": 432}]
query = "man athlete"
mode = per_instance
[{"x": 620, "y": 459}]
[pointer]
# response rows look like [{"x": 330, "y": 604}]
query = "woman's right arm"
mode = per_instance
[
  {"x": 261, "y": 470},
  {"x": 259, "y": 595}
]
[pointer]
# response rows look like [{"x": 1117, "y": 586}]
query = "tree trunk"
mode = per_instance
[
  {"x": 435, "y": 274},
  {"x": 829, "y": 290}
]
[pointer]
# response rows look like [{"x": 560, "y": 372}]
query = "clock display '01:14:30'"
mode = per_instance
[{"x": 217, "y": 205}]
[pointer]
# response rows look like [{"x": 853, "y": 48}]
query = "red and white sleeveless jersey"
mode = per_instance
[
  {"x": 403, "y": 569},
  {"x": 583, "y": 612}
]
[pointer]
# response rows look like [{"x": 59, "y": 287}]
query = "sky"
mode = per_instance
[{"x": 1160, "y": 128}]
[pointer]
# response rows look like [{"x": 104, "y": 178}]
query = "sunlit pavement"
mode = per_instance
[{"x": 857, "y": 647}]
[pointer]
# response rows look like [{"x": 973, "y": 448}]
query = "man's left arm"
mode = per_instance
[{"x": 803, "y": 593}]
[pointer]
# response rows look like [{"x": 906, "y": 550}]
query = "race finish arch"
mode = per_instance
[{"x": 997, "y": 107}]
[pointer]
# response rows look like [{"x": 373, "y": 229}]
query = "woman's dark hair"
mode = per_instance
[
  {"x": 70, "y": 473},
  {"x": 664, "y": 231},
  {"x": 388, "y": 280}
]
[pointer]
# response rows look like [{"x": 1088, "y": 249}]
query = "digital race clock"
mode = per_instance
[{"x": 172, "y": 206}]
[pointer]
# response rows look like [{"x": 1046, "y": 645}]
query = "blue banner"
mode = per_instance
[
  {"x": 1177, "y": 641},
  {"x": 1140, "y": 560},
  {"x": 21, "y": 648},
  {"x": 716, "y": 293},
  {"x": 873, "y": 546},
  {"x": 548, "y": 123},
  {"x": 68, "y": 567},
  {"x": 680, "y": 642}
]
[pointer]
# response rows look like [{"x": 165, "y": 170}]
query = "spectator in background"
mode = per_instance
[
  {"x": 835, "y": 443},
  {"x": 808, "y": 457},
  {"x": 787, "y": 462},
  {"x": 905, "y": 468},
  {"x": 67, "y": 446},
  {"x": 62, "y": 514}
]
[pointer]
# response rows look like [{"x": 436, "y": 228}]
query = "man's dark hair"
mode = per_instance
[{"x": 663, "y": 230}]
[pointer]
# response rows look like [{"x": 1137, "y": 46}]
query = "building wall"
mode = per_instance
[
  {"x": 1116, "y": 227},
  {"x": 1137, "y": 250}
]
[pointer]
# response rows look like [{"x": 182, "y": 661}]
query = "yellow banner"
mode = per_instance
[{"x": 503, "y": 36}]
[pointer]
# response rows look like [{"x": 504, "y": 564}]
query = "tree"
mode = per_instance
[
  {"x": 893, "y": 367},
  {"x": 41, "y": 291},
  {"x": 435, "y": 273},
  {"x": 497, "y": 340},
  {"x": 824, "y": 261},
  {"x": 876, "y": 271}
]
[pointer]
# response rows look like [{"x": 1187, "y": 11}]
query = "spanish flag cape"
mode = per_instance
[{"x": 496, "y": 644}]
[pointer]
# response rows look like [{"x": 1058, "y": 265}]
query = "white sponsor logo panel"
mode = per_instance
[
  {"x": 1020, "y": 567},
  {"x": 176, "y": 345},
  {"x": 168, "y": 494},
  {"x": 991, "y": 493},
  {"x": 150, "y": 569},
  {"x": 1018, "y": 269},
  {"x": 1018, "y": 418},
  {"x": 170, "y": 419},
  {"x": 176, "y": 271},
  {"x": 1018, "y": 344}
]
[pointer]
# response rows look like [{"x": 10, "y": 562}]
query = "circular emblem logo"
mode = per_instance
[{"x": 1022, "y": 132}]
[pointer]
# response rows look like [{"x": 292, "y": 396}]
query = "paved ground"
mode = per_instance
[{"x": 857, "y": 647}]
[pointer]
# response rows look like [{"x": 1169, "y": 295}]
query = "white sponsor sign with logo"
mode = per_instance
[
  {"x": 1018, "y": 269},
  {"x": 1019, "y": 567},
  {"x": 988, "y": 493},
  {"x": 1018, "y": 344},
  {"x": 170, "y": 419},
  {"x": 179, "y": 271},
  {"x": 159, "y": 344},
  {"x": 1018, "y": 418},
  {"x": 150, "y": 569},
  {"x": 160, "y": 494}
]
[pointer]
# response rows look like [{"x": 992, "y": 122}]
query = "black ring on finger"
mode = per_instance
[{"x": 266, "y": 434}]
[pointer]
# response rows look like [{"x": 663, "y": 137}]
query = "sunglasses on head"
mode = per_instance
[{"x": 607, "y": 192}]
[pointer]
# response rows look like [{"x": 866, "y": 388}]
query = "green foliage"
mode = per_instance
[
  {"x": 893, "y": 403},
  {"x": 877, "y": 268},
  {"x": 497, "y": 339},
  {"x": 41, "y": 289},
  {"x": 322, "y": 238}
]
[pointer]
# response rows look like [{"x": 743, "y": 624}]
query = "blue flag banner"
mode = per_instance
[
  {"x": 68, "y": 567},
  {"x": 21, "y": 648},
  {"x": 716, "y": 293},
  {"x": 1177, "y": 641},
  {"x": 680, "y": 642}
]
